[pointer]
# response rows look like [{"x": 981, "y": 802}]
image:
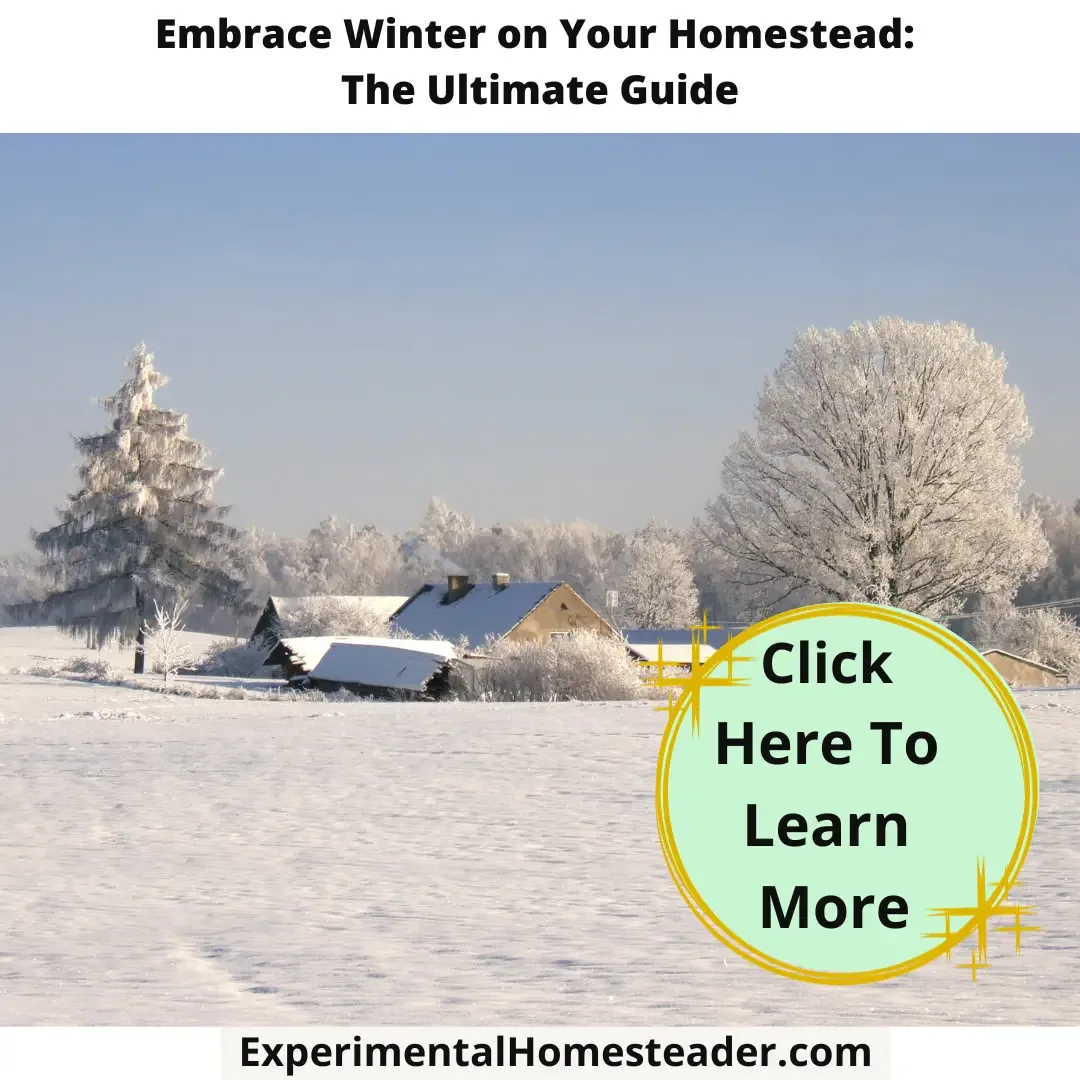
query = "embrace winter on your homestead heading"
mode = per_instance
[{"x": 680, "y": 38}]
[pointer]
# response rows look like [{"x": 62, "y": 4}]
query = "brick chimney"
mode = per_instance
[
  {"x": 499, "y": 581},
  {"x": 457, "y": 585}
]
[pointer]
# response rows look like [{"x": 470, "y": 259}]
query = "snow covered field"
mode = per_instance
[
  {"x": 29, "y": 647},
  {"x": 167, "y": 860}
]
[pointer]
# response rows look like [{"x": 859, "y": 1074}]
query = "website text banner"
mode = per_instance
[
  {"x": 584, "y": 66},
  {"x": 310, "y": 1052},
  {"x": 914, "y": 1053}
]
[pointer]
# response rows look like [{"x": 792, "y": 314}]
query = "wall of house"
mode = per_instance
[
  {"x": 561, "y": 611},
  {"x": 1018, "y": 673}
]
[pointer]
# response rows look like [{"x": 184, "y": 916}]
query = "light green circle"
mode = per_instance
[{"x": 971, "y": 803}]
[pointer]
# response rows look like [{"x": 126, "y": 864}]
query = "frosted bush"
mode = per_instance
[
  {"x": 91, "y": 668},
  {"x": 1044, "y": 635},
  {"x": 234, "y": 660},
  {"x": 583, "y": 666},
  {"x": 333, "y": 616}
]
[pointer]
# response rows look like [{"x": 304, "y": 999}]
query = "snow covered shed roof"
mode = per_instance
[
  {"x": 478, "y": 612},
  {"x": 282, "y": 607},
  {"x": 306, "y": 653},
  {"x": 715, "y": 637},
  {"x": 388, "y": 665},
  {"x": 679, "y": 655}
]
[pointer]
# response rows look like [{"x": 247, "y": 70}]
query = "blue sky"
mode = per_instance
[{"x": 561, "y": 327}]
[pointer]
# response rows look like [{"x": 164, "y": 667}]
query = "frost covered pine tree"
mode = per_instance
[
  {"x": 882, "y": 469},
  {"x": 655, "y": 581},
  {"x": 142, "y": 532}
]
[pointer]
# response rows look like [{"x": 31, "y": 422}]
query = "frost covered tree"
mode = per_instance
[
  {"x": 164, "y": 641},
  {"x": 326, "y": 616},
  {"x": 345, "y": 560},
  {"x": 655, "y": 581},
  {"x": 21, "y": 579},
  {"x": 1060, "y": 578},
  {"x": 275, "y": 566},
  {"x": 142, "y": 531},
  {"x": 447, "y": 530},
  {"x": 579, "y": 553},
  {"x": 882, "y": 469}
]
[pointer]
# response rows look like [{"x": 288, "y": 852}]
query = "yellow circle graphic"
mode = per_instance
[{"x": 721, "y": 670}]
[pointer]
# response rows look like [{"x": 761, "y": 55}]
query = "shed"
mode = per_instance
[
  {"x": 301, "y": 655},
  {"x": 501, "y": 608},
  {"x": 389, "y": 668},
  {"x": 1019, "y": 671},
  {"x": 670, "y": 635},
  {"x": 674, "y": 655},
  {"x": 643, "y": 643}
]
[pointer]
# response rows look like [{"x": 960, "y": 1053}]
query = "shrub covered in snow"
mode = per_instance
[
  {"x": 1044, "y": 635},
  {"x": 91, "y": 668},
  {"x": 231, "y": 659},
  {"x": 325, "y": 616},
  {"x": 583, "y": 666}
]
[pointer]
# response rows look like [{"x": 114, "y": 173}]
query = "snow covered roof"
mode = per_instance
[
  {"x": 673, "y": 654},
  {"x": 673, "y": 636},
  {"x": 484, "y": 611},
  {"x": 390, "y": 664},
  {"x": 308, "y": 652},
  {"x": 384, "y": 606}
]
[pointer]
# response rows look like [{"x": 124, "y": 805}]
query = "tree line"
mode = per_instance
[{"x": 882, "y": 467}]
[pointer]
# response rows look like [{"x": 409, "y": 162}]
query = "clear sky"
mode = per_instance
[{"x": 560, "y": 327}]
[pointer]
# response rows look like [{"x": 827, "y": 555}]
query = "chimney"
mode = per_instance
[
  {"x": 499, "y": 581},
  {"x": 457, "y": 585}
]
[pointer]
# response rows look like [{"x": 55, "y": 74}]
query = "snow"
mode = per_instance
[
  {"x": 715, "y": 636},
  {"x": 383, "y": 664},
  {"x": 482, "y": 612},
  {"x": 308, "y": 652},
  {"x": 178, "y": 861},
  {"x": 31, "y": 646}
]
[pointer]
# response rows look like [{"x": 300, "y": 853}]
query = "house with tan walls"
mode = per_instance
[{"x": 498, "y": 609}]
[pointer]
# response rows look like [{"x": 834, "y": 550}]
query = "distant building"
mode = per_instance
[
  {"x": 497, "y": 610},
  {"x": 279, "y": 609},
  {"x": 1020, "y": 672},
  {"x": 301, "y": 655},
  {"x": 387, "y": 667},
  {"x": 673, "y": 655},
  {"x": 644, "y": 643}
]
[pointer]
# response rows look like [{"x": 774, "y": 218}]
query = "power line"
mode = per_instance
[{"x": 1020, "y": 607}]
